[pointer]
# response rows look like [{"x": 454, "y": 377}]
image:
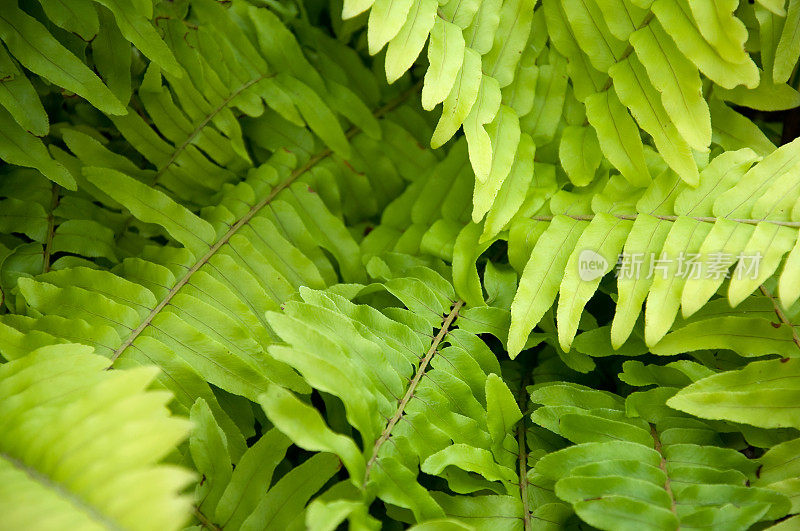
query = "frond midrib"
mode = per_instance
[
  {"x": 204, "y": 122},
  {"x": 523, "y": 455},
  {"x": 409, "y": 394},
  {"x": 663, "y": 466},
  {"x": 703, "y": 219},
  {"x": 49, "y": 484}
]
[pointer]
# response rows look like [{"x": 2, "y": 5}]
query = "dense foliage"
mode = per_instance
[{"x": 454, "y": 264}]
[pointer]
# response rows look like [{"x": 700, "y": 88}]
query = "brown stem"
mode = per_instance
[
  {"x": 398, "y": 414},
  {"x": 705, "y": 219},
  {"x": 51, "y": 223},
  {"x": 204, "y": 521},
  {"x": 523, "y": 457},
  {"x": 663, "y": 466},
  {"x": 781, "y": 315}
]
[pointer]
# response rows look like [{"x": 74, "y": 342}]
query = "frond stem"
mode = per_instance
[
  {"x": 706, "y": 219},
  {"x": 398, "y": 414},
  {"x": 663, "y": 466},
  {"x": 210, "y": 116},
  {"x": 48, "y": 483},
  {"x": 51, "y": 224},
  {"x": 523, "y": 456},
  {"x": 204, "y": 521},
  {"x": 781, "y": 315}
]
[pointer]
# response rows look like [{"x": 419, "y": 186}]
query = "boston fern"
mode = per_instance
[{"x": 440, "y": 265}]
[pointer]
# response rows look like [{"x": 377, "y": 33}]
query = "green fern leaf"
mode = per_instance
[
  {"x": 61, "y": 411},
  {"x": 53, "y": 61},
  {"x": 740, "y": 396},
  {"x": 656, "y": 467}
]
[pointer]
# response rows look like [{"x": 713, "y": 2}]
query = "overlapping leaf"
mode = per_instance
[
  {"x": 678, "y": 246},
  {"x": 635, "y": 464},
  {"x": 75, "y": 437}
]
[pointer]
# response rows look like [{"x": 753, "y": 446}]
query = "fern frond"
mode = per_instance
[
  {"x": 659, "y": 469},
  {"x": 740, "y": 396},
  {"x": 60, "y": 61},
  {"x": 49, "y": 228},
  {"x": 429, "y": 213},
  {"x": 80, "y": 446},
  {"x": 188, "y": 130},
  {"x": 725, "y": 214},
  {"x": 419, "y": 402},
  {"x": 432, "y": 215},
  {"x": 499, "y": 79},
  {"x": 187, "y": 127},
  {"x": 198, "y": 312},
  {"x": 481, "y": 62},
  {"x": 30, "y": 43},
  {"x": 653, "y": 54}
]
